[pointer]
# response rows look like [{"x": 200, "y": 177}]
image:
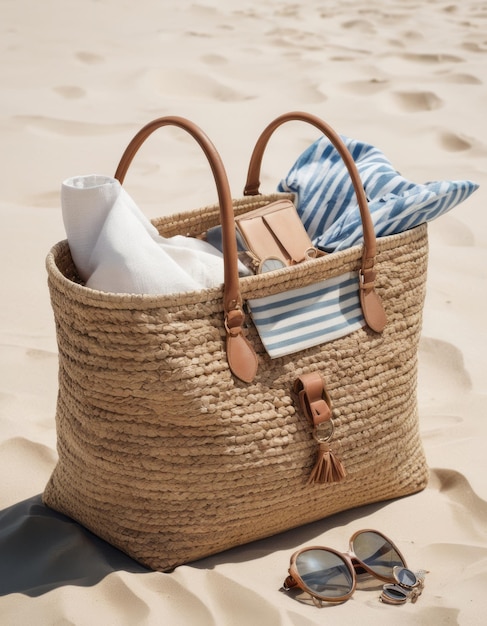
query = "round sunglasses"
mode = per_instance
[{"x": 331, "y": 576}]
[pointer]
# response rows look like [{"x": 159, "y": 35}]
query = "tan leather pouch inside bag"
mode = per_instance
[{"x": 276, "y": 231}]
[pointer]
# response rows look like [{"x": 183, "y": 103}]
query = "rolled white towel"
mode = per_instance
[{"x": 116, "y": 248}]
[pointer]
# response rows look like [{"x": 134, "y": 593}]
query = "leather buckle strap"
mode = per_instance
[{"x": 313, "y": 398}]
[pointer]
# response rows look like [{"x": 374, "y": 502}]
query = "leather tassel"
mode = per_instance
[
  {"x": 316, "y": 405},
  {"x": 328, "y": 467}
]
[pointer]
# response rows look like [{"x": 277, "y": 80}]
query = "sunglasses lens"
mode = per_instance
[
  {"x": 405, "y": 577},
  {"x": 393, "y": 594},
  {"x": 325, "y": 573},
  {"x": 270, "y": 264},
  {"x": 377, "y": 553}
]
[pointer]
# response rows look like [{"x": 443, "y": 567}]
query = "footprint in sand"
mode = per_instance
[
  {"x": 454, "y": 142},
  {"x": 366, "y": 87},
  {"x": 70, "y": 92},
  {"x": 214, "y": 59},
  {"x": 411, "y": 35},
  {"x": 415, "y": 101},
  {"x": 361, "y": 26},
  {"x": 451, "y": 8},
  {"x": 89, "y": 57},
  {"x": 473, "y": 46},
  {"x": 432, "y": 58},
  {"x": 460, "y": 79},
  {"x": 292, "y": 38}
]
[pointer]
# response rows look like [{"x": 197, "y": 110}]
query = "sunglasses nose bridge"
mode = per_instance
[
  {"x": 352, "y": 557},
  {"x": 358, "y": 566}
]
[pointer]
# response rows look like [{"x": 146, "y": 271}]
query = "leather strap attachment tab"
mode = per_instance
[
  {"x": 241, "y": 356},
  {"x": 313, "y": 398},
  {"x": 370, "y": 302}
]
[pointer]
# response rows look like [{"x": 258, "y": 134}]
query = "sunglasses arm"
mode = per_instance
[{"x": 290, "y": 583}]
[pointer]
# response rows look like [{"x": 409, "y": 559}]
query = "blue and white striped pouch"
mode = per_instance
[
  {"x": 308, "y": 316},
  {"x": 325, "y": 200}
]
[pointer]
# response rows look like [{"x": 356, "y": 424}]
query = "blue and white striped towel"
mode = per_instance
[{"x": 326, "y": 202}]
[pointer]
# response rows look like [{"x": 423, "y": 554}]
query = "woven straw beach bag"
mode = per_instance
[{"x": 178, "y": 435}]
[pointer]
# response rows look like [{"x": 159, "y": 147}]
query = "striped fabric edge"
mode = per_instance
[
  {"x": 326, "y": 203},
  {"x": 308, "y": 316},
  {"x": 398, "y": 214}
]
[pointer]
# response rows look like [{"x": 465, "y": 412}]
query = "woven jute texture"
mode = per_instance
[{"x": 166, "y": 455}]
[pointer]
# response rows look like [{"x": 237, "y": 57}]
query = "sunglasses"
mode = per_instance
[
  {"x": 409, "y": 586},
  {"x": 331, "y": 576}
]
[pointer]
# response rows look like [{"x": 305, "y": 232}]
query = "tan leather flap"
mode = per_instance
[
  {"x": 260, "y": 240},
  {"x": 275, "y": 231},
  {"x": 289, "y": 230}
]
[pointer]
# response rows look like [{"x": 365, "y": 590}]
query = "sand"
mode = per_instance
[{"x": 78, "y": 80}]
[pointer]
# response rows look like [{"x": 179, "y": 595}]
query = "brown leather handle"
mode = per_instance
[
  {"x": 371, "y": 304},
  {"x": 231, "y": 289},
  {"x": 241, "y": 356},
  {"x": 253, "y": 182}
]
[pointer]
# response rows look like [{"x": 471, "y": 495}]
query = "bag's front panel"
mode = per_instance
[{"x": 166, "y": 455}]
